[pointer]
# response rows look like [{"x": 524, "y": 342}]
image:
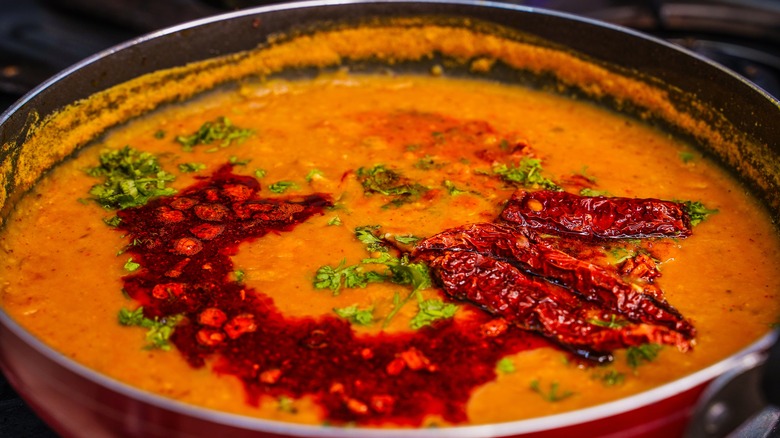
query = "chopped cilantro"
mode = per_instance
[
  {"x": 645, "y": 353},
  {"x": 430, "y": 311},
  {"x": 282, "y": 186},
  {"x": 697, "y": 211},
  {"x": 159, "y": 329},
  {"x": 610, "y": 378},
  {"x": 527, "y": 173},
  {"x": 239, "y": 275},
  {"x": 132, "y": 178},
  {"x": 620, "y": 254},
  {"x": 367, "y": 235},
  {"x": 334, "y": 221},
  {"x": 112, "y": 221},
  {"x": 220, "y": 129},
  {"x": 286, "y": 404},
  {"x": 686, "y": 157},
  {"x": 380, "y": 179},
  {"x": 314, "y": 174},
  {"x": 355, "y": 315},
  {"x": 159, "y": 134},
  {"x": 427, "y": 163},
  {"x": 552, "y": 395},
  {"x": 239, "y": 161},
  {"x": 260, "y": 173},
  {"x": 451, "y": 189},
  {"x": 506, "y": 366},
  {"x": 402, "y": 271},
  {"x": 613, "y": 322},
  {"x": 353, "y": 276},
  {"x": 131, "y": 266},
  {"x": 191, "y": 167},
  {"x": 592, "y": 192},
  {"x": 407, "y": 239},
  {"x": 584, "y": 173}
]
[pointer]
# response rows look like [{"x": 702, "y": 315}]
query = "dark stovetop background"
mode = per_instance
[{"x": 38, "y": 38}]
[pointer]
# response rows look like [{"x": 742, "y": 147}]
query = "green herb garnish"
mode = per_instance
[
  {"x": 686, "y": 157},
  {"x": 239, "y": 161},
  {"x": 552, "y": 395},
  {"x": 159, "y": 329},
  {"x": 506, "y": 366},
  {"x": 379, "y": 179},
  {"x": 334, "y": 221},
  {"x": 367, "y": 235},
  {"x": 451, "y": 189},
  {"x": 527, "y": 173},
  {"x": 132, "y": 178},
  {"x": 221, "y": 130},
  {"x": 191, "y": 167},
  {"x": 355, "y": 315},
  {"x": 282, "y": 186},
  {"x": 592, "y": 192},
  {"x": 613, "y": 322},
  {"x": 260, "y": 173},
  {"x": 430, "y": 311},
  {"x": 645, "y": 353},
  {"x": 697, "y": 211},
  {"x": 131, "y": 266},
  {"x": 314, "y": 174},
  {"x": 407, "y": 239},
  {"x": 353, "y": 276}
]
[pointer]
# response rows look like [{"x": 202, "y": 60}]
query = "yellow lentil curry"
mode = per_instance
[{"x": 313, "y": 199}]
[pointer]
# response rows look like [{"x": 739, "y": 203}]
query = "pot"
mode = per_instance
[{"x": 74, "y": 399}]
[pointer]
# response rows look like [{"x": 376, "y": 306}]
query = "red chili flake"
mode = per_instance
[
  {"x": 210, "y": 337},
  {"x": 356, "y": 406},
  {"x": 183, "y": 203},
  {"x": 270, "y": 376},
  {"x": 176, "y": 271},
  {"x": 244, "y": 323},
  {"x": 494, "y": 327},
  {"x": 212, "y": 317},
  {"x": 166, "y": 215},
  {"x": 237, "y": 192},
  {"x": 211, "y": 212},
  {"x": 188, "y": 246},
  {"x": 168, "y": 290},
  {"x": 367, "y": 353},
  {"x": 415, "y": 359},
  {"x": 382, "y": 403},
  {"x": 207, "y": 231},
  {"x": 395, "y": 366}
]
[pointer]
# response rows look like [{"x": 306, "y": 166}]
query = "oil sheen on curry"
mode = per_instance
[{"x": 390, "y": 251}]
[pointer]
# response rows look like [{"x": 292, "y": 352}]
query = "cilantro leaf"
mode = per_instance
[
  {"x": 528, "y": 173},
  {"x": 379, "y": 179},
  {"x": 220, "y": 129},
  {"x": 132, "y": 178},
  {"x": 645, "y": 353},
  {"x": 191, "y": 167},
  {"x": 159, "y": 330},
  {"x": 432, "y": 310},
  {"x": 367, "y": 235},
  {"x": 506, "y": 366},
  {"x": 355, "y": 315},
  {"x": 282, "y": 186},
  {"x": 553, "y": 395},
  {"x": 697, "y": 211}
]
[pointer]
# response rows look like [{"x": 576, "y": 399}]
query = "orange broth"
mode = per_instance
[{"x": 61, "y": 275}]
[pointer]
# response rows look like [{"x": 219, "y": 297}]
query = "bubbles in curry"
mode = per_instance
[{"x": 395, "y": 250}]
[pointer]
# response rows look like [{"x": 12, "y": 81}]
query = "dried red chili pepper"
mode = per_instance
[
  {"x": 597, "y": 216},
  {"x": 538, "y": 305},
  {"x": 505, "y": 252}
]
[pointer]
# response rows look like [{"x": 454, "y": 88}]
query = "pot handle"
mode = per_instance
[{"x": 744, "y": 401}]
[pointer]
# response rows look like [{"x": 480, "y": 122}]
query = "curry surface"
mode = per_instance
[{"x": 61, "y": 275}]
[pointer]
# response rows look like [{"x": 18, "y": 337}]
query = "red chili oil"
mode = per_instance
[{"x": 184, "y": 245}]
